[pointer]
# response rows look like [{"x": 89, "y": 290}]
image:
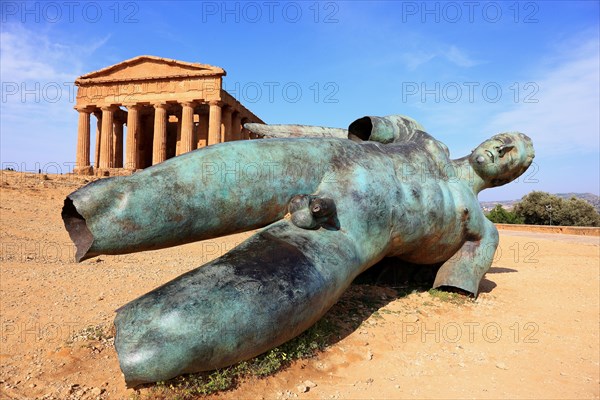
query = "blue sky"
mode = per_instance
[{"x": 464, "y": 70}]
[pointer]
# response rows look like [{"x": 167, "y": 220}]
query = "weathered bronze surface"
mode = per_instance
[{"x": 392, "y": 191}]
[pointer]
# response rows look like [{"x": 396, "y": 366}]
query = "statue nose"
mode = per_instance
[{"x": 480, "y": 159}]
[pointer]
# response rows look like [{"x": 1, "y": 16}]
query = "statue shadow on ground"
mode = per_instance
[
  {"x": 486, "y": 285},
  {"x": 500, "y": 270},
  {"x": 385, "y": 282}
]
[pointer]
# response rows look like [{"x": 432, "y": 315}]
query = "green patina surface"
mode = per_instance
[{"x": 391, "y": 191}]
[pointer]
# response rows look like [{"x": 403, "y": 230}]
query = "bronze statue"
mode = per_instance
[{"x": 329, "y": 209}]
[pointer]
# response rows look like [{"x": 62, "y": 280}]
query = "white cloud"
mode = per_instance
[
  {"x": 459, "y": 57},
  {"x": 566, "y": 118},
  {"x": 415, "y": 58},
  {"x": 38, "y": 93},
  {"x": 30, "y": 55}
]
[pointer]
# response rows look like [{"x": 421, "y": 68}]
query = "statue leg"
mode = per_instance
[
  {"x": 211, "y": 192},
  {"x": 468, "y": 266},
  {"x": 261, "y": 294}
]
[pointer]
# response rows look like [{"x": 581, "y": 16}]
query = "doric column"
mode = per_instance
[
  {"x": 202, "y": 131},
  {"x": 178, "y": 138},
  {"x": 133, "y": 138},
  {"x": 106, "y": 137},
  {"x": 82, "y": 160},
  {"x": 226, "y": 124},
  {"x": 236, "y": 126},
  {"x": 118, "y": 141},
  {"x": 214, "y": 122},
  {"x": 98, "y": 115},
  {"x": 144, "y": 148},
  {"x": 159, "y": 143},
  {"x": 187, "y": 127}
]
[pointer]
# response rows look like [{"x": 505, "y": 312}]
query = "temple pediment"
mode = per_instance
[{"x": 144, "y": 68}]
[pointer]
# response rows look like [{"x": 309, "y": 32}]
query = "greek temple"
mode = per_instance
[{"x": 160, "y": 108}]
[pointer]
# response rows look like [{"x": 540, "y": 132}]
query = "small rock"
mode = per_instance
[
  {"x": 96, "y": 391},
  {"x": 501, "y": 365},
  {"x": 397, "y": 386},
  {"x": 462, "y": 365},
  {"x": 369, "y": 355},
  {"x": 310, "y": 384},
  {"x": 411, "y": 318},
  {"x": 32, "y": 385},
  {"x": 302, "y": 388}
]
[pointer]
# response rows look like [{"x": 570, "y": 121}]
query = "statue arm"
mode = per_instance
[
  {"x": 470, "y": 263},
  {"x": 291, "y": 131},
  {"x": 390, "y": 129},
  {"x": 215, "y": 191},
  {"x": 398, "y": 130}
]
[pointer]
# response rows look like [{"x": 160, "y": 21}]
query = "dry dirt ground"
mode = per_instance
[{"x": 532, "y": 333}]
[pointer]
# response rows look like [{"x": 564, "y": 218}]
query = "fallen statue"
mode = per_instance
[{"x": 331, "y": 203}]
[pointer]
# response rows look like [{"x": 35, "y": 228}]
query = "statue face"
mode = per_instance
[{"x": 502, "y": 158}]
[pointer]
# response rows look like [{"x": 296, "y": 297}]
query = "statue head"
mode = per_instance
[{"x": 502, "y": 158}]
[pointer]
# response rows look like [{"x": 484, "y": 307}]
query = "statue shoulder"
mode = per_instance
[{"x": 395, "y": 129}]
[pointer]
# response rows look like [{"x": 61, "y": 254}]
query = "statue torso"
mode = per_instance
[{"x": 425, "y": 214}]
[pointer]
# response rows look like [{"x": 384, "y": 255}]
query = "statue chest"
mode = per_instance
[{"x": 431, "y": 220}]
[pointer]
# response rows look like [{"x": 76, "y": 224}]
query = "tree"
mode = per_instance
[
  {"x": 537, "y": 208},
  {"x": 541, "y": 208},
  {"x": 499, "y": 215},
  {"x": 578, "y": 212}
]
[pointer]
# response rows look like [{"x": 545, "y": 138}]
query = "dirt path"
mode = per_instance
[{"x": 532, "y": 333}]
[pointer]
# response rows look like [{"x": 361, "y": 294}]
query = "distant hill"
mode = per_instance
[
  {"x": 509, "y": 204},
  {"x": 589, "y": 197}
]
